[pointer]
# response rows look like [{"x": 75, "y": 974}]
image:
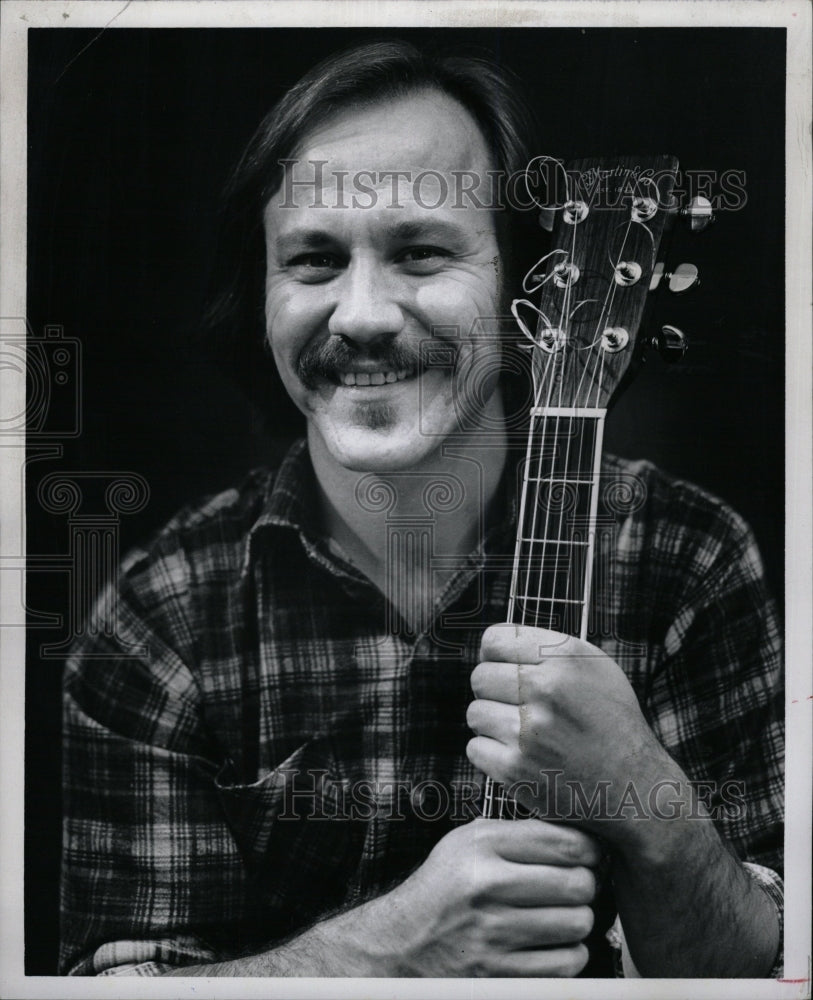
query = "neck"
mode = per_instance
[{"x": 407, "y": 529}]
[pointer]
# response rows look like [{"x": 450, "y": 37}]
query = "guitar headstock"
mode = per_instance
[{"x": 586, "y": 296}]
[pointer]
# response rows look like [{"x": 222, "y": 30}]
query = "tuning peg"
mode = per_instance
[
  {"x": 698, "y": 214},
  {"x": 684, "y": 277},
  {"x": 670, "y": 343}
]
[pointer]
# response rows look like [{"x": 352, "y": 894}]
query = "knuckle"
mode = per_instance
[
  {"x": 582, "y": 848},
  {"x": 537, "y": 718},
  {"x": 535, "y": 680},
  {"x": 473, "y": 751},
  {"x": 500, "y": 883},
  {"x": 582, "y": 918},
  {"x": 592, "y": 885},
  {"x": 509, "y": 769},
  {"x": 576, "y": 960},
  {"x": 574, "y": 848},
  {"x": 491, "y": 641},
  {"x": 583, "y": 884}
]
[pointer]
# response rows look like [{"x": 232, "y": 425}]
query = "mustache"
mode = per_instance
[{"x": 329, "y": 359}]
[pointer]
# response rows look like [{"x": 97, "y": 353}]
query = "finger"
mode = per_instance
[
  {"x": 491, "y": 757},
  {"x": 497, "y": 682},
  {"x": 536, "y": 842},
  {"x": 539, "y": 927},
  {"x": 495, "y": 720},
  {"x": 562, "y": 962},
  {"x": 524, "y": 644},
  {"x": 543, "y": 885}
]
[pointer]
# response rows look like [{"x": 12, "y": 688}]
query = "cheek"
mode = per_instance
[
  {"x": 290, "y": 319},
  {"x": 458, "y": 302}
]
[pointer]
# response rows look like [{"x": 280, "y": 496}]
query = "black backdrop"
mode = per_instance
[{"x": 131, "y": 136}]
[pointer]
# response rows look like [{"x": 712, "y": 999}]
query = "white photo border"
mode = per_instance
[{"x": 16, "y": 17}]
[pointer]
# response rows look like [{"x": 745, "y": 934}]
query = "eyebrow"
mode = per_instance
[
  {"x": 402, "y": 231},
  {"x": 303, "y": 239},
  {"x": 429, "y": 229}
]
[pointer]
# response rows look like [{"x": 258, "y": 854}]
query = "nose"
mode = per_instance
[{"x": 366, "y": 307}]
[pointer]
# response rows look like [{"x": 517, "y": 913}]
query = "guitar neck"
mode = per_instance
[
  {"x": 584, "y": 305},
  {"x": 553, "y": 556}
]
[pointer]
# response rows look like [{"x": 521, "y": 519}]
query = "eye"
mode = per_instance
[
  {"x": 315, "y": 266},
  {"x": 315, "y": 261},
  {"x": 423, "y": 260}
]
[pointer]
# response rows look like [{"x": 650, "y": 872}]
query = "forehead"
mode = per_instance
[{"x": 425, "y": 144}]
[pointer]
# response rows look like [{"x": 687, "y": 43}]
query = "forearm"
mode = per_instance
[
  {"x": 359, "y": 942},
  {"x": 690, "y": 909}
]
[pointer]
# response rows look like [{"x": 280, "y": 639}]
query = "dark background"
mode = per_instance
[{"x": 131, "y": 136}]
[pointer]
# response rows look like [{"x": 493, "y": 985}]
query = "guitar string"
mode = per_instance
[
  {"x": 575, "y": 430},
  {"x": 552, "y": 365},
  {"x": 596, "y": 380},
  {"x": 493, "y": 789},
  {"x": 568, "y": 360},
  {"x": 495, "y": 792},
  {"x": 540, "y": 425}
]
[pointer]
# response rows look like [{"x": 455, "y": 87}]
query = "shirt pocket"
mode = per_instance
[{"x": 300, "y": 847}]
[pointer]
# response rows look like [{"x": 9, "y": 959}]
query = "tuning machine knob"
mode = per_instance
[
  {"x": 684, "y": 277},
  {"x": 671, "y": 343},
  {"x": 698, "y": 214}
]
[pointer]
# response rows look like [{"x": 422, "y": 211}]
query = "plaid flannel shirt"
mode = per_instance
[{"x": 250, "y": 683}]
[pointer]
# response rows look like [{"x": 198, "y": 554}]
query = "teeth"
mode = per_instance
[{"x": 372, "y": 378}]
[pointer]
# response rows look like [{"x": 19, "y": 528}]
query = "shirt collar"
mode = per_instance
[
  {"x": 290, "y": 499},
  {"x": 291, "y": 502}
]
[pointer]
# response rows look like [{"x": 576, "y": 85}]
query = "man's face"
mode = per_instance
[{"x": 366, "y": 269}]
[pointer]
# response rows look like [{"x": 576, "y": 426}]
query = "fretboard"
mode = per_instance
[{"x": 550, "y": 585}]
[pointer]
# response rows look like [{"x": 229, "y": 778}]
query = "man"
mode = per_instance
[{"x": 268, "y": 770}]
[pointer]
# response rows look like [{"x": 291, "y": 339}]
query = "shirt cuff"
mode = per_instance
[{"x": 145, "y": 957}]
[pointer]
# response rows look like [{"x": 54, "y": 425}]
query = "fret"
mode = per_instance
[
  {"x": 556, "y": 510},
  {"x": 548, "y": 600},
  {"x": 559, "y": 479},
  {"x": 587, "y": 413},
  {"x": 552, "y": 615},
  {"x": 533, "y": 540}
]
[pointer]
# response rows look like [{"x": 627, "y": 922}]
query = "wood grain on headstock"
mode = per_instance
[{"x": 582, "y": 372}]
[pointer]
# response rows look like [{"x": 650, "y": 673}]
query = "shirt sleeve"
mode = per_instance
[
  {"x": 716, "y": 698},
  {"x": 151, "y": 876}
]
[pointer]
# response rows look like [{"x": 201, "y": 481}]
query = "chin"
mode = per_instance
[
  {"x": 379, "y": 449},
  {"x": 378, "y": 456}
]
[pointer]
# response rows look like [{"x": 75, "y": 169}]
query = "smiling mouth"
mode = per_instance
[{"x": 374, "y": 378}]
